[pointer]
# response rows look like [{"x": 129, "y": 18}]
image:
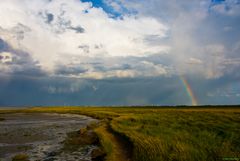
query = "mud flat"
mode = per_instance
[{"x": 40, "y": 136}]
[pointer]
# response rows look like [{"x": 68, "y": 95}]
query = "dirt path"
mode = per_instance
[{"x": 118, "y": 147}]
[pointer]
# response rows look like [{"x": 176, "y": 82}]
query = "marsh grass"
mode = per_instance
[
  {"x": 159, "y": 134},
  {"x": 182, "y": 135},
  {"x": 20, "y": 157}
]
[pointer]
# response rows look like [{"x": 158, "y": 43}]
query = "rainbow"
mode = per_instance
[{"x": 189, "y": 91}]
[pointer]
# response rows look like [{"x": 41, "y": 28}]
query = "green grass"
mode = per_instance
[
  {"x": 182, "y": 135},
  {"x": 159, "y": 134}
]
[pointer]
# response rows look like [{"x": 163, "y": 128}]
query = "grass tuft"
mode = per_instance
[{"x": 20, "y": 157}]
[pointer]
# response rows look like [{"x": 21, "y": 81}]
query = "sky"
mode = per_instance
[{"x": 119, "y": 52}]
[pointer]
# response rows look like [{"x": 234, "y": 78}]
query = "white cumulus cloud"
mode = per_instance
[{"x": 49, "y": 29}]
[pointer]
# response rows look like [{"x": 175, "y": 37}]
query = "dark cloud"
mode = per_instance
[
  {"x": 47, "y": 16},
  {"x": 98, "y": 46},
  {"x": 21, "y": 91},
  {"x": 50, "y": 17},
  {"x": 3, "y": 45},
  {"x": 77, "y": 29},
  {"x": 85, "y": 48},
  {"x": 70, "y": 70},
  {"x": 74, "y": 92},
  {"x": 20, "y": 30},
  {"x": 62, "y": 22},
  {"x": 21, "y": 63}
]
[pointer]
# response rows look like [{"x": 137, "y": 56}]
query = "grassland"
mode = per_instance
[{"x": 159, "y": 134}]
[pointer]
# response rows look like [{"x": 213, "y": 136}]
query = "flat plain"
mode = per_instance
[{"x": 161, "y": 133}]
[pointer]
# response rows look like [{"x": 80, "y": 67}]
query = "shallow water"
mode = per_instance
[{"x": 40, "y": 136}]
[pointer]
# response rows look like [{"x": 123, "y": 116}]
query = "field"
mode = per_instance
[{"x": 159, "y": 134}]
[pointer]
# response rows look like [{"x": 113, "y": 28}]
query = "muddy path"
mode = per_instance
[{"x": 41, "y": 136}]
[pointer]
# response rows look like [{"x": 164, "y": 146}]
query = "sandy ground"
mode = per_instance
[{"x": 40, "y": 136}]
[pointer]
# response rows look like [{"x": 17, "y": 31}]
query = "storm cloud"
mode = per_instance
[{"x": 119, "y": 52}]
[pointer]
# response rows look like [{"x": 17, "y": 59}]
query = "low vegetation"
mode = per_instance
[
  {"x": 2, "y": 119},
  {"x": 83, "y": 137},
  {"x": 20, "y": 157},
  {"x": 159, "y": 134},
  {"x": 80, "y": 138},
  {"x": 182, "y": 135}
]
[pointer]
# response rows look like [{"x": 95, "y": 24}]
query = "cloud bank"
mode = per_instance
[
  {"x": 56, "y": 33},
  {"x": 102, "y": 47}
]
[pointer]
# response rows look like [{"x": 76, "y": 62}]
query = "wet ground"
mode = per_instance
[{"x": 41, "y": 136}]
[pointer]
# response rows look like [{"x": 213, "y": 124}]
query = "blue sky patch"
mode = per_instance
[
  {"x": 109, "y": 9},
  {"x": 218, "y": 1}
]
